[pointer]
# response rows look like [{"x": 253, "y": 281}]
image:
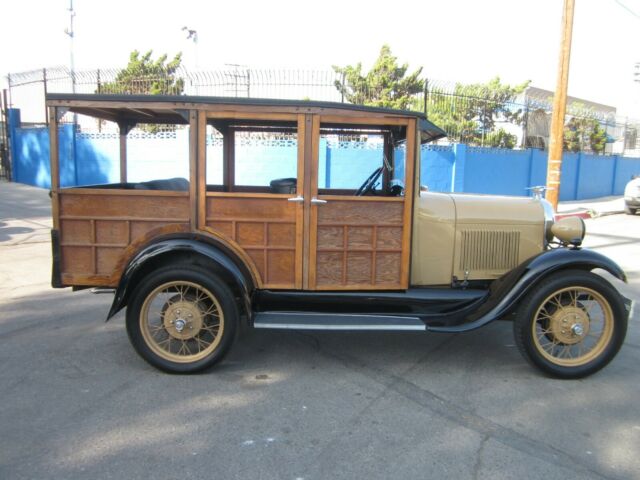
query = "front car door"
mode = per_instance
[{"x": 360, "y": 240}]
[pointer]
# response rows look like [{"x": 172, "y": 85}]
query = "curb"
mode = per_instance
[
  {"x": 587, "y": 213},
  {"x": 583, "y": 213}
]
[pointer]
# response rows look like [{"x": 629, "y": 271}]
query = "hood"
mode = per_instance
[{"x": 497, "y": 210}]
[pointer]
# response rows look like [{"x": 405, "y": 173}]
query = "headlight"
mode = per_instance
[
  {"x": 569, "y": 230},
  {"x": 549, "y": 218}
]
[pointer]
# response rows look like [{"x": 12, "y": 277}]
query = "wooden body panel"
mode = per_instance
[
  {"x": 265, "y": 226},
  {"x": 96, "y": 230},
  {"x": 358, "y": 243},
  {"x": 349, "y": 243}
]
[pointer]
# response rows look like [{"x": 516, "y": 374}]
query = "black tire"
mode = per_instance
[
  {"x": 217, "y": 297},
  {"x": 630, "y": 211},
  {"x": 530, "y": 311}
]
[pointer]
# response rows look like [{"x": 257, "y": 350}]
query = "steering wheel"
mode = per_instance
[{"x": 369, "y": 183}]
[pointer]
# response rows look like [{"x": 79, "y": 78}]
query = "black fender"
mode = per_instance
[
  {"x": 163, "y": 249},
  {"x": 507, "y": 291}
]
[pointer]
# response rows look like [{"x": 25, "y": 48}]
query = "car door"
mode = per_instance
[{"x": 358, "y": 242}]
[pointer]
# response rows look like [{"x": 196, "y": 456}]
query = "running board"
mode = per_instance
[{"x": 336, "y": 321}]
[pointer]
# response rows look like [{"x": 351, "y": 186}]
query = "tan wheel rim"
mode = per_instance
[
  {"x": 181, "y": 321},
  {"x": 573, "y": 326}
]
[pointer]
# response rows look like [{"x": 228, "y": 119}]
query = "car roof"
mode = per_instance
[{"x": 166, "y": 108}]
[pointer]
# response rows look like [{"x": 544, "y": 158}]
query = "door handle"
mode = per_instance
[
  {"x": 298, "y": 199},
  {"x": 317, "y": 201}
]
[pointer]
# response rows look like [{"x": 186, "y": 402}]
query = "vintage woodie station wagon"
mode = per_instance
[{"x": 363, "y": 247}]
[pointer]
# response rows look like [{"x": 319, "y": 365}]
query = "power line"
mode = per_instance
[{"x": 627, "y": 9}]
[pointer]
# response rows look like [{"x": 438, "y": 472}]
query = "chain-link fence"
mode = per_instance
[{"x": 470, "y": 114}]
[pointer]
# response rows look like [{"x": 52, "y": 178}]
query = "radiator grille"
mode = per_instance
[{"x": 486, "y": 250}]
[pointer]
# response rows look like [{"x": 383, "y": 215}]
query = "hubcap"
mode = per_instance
[
  {"x": 183, "y": 319},
  {"x": 568, "y": 324}
]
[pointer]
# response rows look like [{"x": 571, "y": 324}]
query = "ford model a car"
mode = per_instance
[{"x": 308, "y": 215}]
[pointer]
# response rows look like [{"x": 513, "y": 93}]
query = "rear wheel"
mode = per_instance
[
  {"x": 572, "y": 325},
  {"x": 182, "y": 320},
  {"x": 630, "y": 211}
]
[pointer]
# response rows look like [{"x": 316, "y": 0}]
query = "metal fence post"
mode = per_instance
[
  {"x": 426, "y": 98},
  {"x": 10, "y": 104},
  {"x": 44, "y": 83},
  {"x": 342, "y": 89},
  {"x": 624, "y": 136},
  {"x": 248, "y": 83},
  {"x": 525, "y": 126},
  {"x": 99, "y": 84}
]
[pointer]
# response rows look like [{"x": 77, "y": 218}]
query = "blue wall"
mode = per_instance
[
  {"x": 93, "y": 159},
  {"x": 460, "y": 168}
]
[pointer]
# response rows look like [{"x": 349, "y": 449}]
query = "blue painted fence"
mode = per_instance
[
  {"x": 460, "y": 168},
  {"x": 93, "y": 158}
]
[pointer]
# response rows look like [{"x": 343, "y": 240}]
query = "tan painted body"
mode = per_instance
[{"x": 472, "y": 236}]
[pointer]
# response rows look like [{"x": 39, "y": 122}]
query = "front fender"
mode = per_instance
[
  {"x": 164, "y": 249},
  {"x": 508, "y": 290}
]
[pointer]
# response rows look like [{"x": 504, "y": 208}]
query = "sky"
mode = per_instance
[{"x": 453, "y": 40}]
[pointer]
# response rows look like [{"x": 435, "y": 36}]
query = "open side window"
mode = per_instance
[
  {"x": 361, "y": 160},
  {"x": 256, "y": 156},
  {"x": 124, "y": 154}
]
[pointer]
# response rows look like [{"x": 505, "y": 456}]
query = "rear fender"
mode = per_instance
[{"x": 174, "y": 249}]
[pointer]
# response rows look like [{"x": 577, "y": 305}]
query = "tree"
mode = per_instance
[
  {"x": 385, "y": 85},
  {"x": 471, "y": 112},
  {"x": 582, "y": 132},
  {"x": 146, "y": 76}
]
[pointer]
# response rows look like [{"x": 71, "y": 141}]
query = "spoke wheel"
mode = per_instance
[
  {"x": 182, "y": 321},
  {"x": 571, "y": 325}
]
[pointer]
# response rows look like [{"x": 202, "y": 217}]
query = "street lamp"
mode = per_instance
[{"x": 193, "y": 35}]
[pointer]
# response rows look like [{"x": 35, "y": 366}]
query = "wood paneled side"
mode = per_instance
[
  {"x": 96, "y": 230},
  {"x": 346, "y": 212},
  {"x": 123, "y": 205},
  {"x": 359, "y": 243},
  {"x": 77, "y": 260},
  {"x": 264, "y": 226},
  {"x": 112, "y": 231}
]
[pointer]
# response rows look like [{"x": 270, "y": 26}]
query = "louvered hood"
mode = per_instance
[{"x": 495, "y": 234}]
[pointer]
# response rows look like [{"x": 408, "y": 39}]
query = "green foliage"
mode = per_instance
[
  {"x": 580, "y": 132},
  {"x": 385, "y": 85},
  {"x": 471, "y": 112},
  {"x": 500, "y": 138},
  {"x": 583, "y": 130},
  {"x": 145, "y": 76}
]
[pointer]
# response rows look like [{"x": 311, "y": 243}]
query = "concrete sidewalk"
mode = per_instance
[
  {"x": 594, "y": 207},
  {"x": 25, "y": 214}
]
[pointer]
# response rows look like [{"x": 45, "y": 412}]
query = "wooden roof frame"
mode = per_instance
[{"x": 173, "y": 109}]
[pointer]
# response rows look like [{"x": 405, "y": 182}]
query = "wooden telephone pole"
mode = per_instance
[{"x": 554, "y": 163}]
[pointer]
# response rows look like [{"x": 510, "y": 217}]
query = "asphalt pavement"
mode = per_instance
[{"x": 77, "y": 402}]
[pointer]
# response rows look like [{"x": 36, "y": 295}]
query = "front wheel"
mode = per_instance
[
  {"x": 572, "y": 325},
  {"x": 630, "y": 211},
  {"x": 182, "y": 320}
]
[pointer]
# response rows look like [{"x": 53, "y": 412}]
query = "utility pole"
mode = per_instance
[
  {"x": 70, "y": 33},
  {"x": 554, "y": 163}
]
